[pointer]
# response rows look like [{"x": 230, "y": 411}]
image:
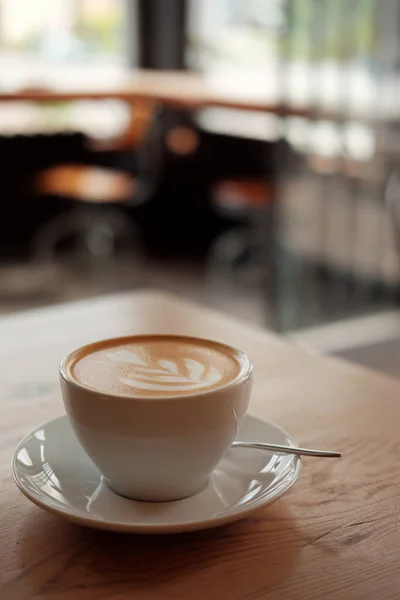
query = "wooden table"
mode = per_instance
[
  {"x": 179, "y": 89},
  {"x": 334, "y": 536},
  {"x": 189, "y": 90},
  {"x": 143, "y": 90}
]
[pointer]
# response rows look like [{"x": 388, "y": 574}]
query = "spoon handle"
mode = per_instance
[{"x": 287, "y": 449}]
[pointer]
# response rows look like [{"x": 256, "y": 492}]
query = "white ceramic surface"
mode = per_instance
[
  {"x": 157, "y": 448},
  {"x": 52, "y": 470}
]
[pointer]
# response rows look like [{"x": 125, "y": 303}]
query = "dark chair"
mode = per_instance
[
  {"x": 101, "y": 188},
  {"x": 245, "y": 190}
]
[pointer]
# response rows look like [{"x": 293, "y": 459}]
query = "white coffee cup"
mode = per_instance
[{"x": 157, "y": 448}]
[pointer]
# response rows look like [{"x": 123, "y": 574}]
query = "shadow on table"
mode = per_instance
[{"x": 252, "y": 555}]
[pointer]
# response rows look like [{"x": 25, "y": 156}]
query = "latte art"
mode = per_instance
[
  {"x": 156, "y": 366},
  {"x": 167, "y": 375}
]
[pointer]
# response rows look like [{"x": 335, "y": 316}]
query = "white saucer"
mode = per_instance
[{"x": 52, "y": 470}]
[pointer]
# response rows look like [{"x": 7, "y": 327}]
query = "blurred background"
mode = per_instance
[{"x": 242, "y": 153}]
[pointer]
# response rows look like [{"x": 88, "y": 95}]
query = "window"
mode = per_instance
[
  {"x": 61, "y": 43},
  {"x": 36, "y": 38},
  {"x": 303, "y": 49},
  {"x": 234, "y": 34},
  {"x": 63, "y": 30}
]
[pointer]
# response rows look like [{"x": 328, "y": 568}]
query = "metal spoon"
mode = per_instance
[{"x": 287, "y": 449}]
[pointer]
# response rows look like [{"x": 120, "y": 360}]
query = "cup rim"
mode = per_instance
[{"x": 243, "y": 375}]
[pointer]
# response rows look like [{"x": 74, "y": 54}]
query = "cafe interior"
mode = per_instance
[{"x": 238, "y": 153}]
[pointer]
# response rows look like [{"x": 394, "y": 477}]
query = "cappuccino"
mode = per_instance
[{"x": 155, "y": 365}]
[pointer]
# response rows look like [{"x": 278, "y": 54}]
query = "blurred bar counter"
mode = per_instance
[
  {"x": 190, "y": 90},
  {"x": 174, "y": 88},
  {"x": 185, "y": 90}
]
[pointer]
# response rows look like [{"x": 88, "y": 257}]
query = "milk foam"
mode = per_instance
[
  {"x": 156, "y": 366},
  {"x": 165, "y": 375}
]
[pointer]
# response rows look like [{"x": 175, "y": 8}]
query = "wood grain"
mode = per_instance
[{"x": 334, "y": 536}]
